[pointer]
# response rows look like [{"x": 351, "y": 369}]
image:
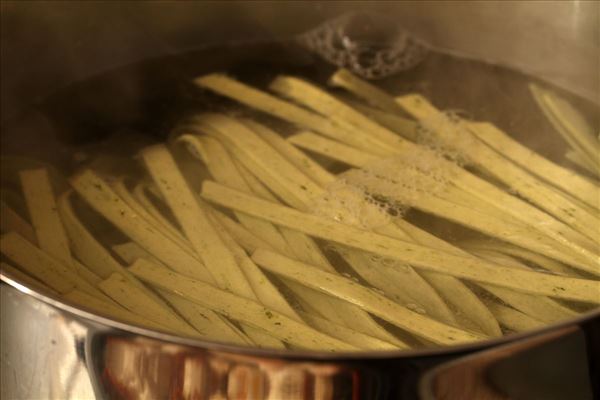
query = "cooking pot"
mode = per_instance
[{"x": 51, "y": 349}]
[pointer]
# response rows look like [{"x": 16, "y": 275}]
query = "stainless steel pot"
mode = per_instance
[{"x": 53, "y": 350}]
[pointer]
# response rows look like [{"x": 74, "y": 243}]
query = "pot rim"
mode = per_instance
[{"x": 106, "y": 322}]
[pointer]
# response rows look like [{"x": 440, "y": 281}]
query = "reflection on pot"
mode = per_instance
[
  {"x": 49, "y": 352},
  {"x": 141, "y": 368}
]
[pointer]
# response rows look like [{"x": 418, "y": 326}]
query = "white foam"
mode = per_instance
[
  {"x": 447, "y": 135},
  {"x": 371, "y": 58},
  {"x": 351, "y": 205}
]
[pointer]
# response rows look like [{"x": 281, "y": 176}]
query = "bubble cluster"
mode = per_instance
[
  {"x": 351, "y": 205},
  {"x": 447, "y": 135},
  {"x": 402, "y": 181},
  {"x": 370, "y": 46}
]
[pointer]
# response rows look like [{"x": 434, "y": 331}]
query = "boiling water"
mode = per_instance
[
  {"x": 120, "y": 111},
  {"x": 103, "y": 121}
]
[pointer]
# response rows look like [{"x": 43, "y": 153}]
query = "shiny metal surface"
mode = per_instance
[
  {"x": 49, "y": 350},
  {"x": 560, "y": 364},
  {"x": 53, "y": 351},
  {"x": 42, "y": 351}
]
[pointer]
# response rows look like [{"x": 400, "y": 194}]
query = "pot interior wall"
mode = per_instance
[{"x": 48, "y": 45}]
